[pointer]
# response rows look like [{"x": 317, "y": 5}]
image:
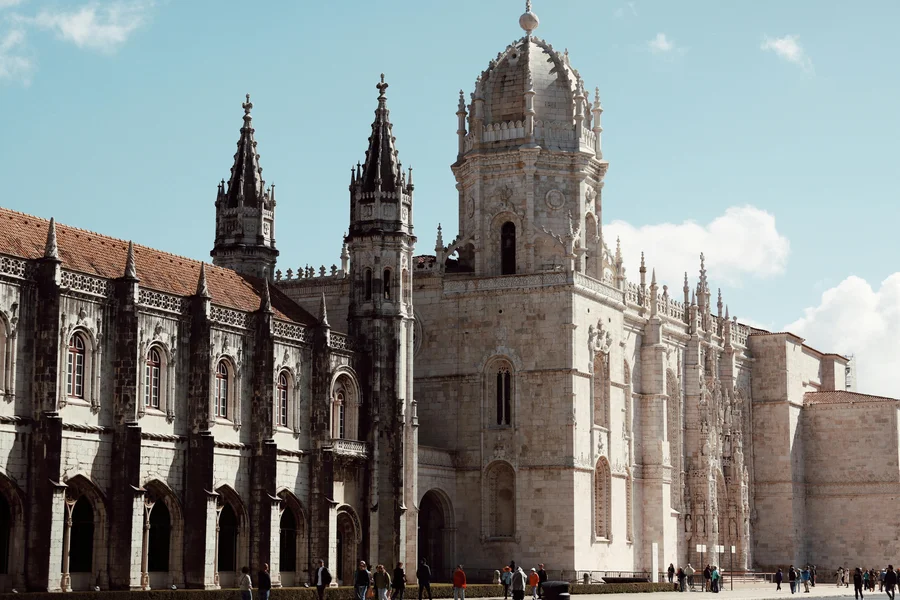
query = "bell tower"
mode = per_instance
[
  {"x": 381, "y": 243},
  {"x": 245, "y": 212}
]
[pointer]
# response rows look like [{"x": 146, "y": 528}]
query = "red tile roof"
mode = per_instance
[
  {"x": 842, "y": 397},
  {"x": 87, "y": 252}
]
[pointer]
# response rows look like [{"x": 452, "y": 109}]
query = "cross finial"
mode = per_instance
[
  {"x": 247, "y": 106},
  {"x": 527, "y": 5},
  {"x": 381, "y": 87}
]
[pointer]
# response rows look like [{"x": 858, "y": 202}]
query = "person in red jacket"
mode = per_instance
[
  {"x": 459, "y": 583},
  {"x": 533, "y": 580}
]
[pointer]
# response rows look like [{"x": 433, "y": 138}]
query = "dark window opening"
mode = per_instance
[
  {"x": 508, "y": 249},
  {"x": 5, "y": 531},
  {"x": 158, "y": 538},
  {"x": 387, "y": 284},
  {"x": 81, "y": 537},
  {"x": 504, "y": 402},
  {"x": 368, "y": 284},
  {"x": 287, "y": 560},
  {"x": 228, "y": 534}
]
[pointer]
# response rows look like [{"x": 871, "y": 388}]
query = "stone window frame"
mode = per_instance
[
  {"x": 7, "y": 358},
  {"x": 367, "y": 284},
  {"x": 233, "y": 391},
  {"x": 291, "y": 396},
  {"x": 166, "y": 406},
  {"x": 493, "y": 262},
  {"x": 76, "y": 361},
  {"x": 91, "y": 377},
  {"x": 345, "y": 382},
  {"x": 602, "y": 491},
  {"x": 489, "y": 504},
  {"x": 387, "y": 281},
  {"x": 494, "y": 367}
]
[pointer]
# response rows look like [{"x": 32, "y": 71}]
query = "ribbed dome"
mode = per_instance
[{"x": 503, "y": 85}]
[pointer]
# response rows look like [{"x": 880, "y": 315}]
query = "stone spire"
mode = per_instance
[
  {"x": 381, "y": 173},
  {"x": 265, "y": 301},
  {"x": 246, "y": 185},
  {"x": 323, "y": 312},
  {"x": 439, "y": 242},
  {"x": 202, "y": 287},
  {"x": 51, "y": 249},
  {"x": 130, "y": 269}
]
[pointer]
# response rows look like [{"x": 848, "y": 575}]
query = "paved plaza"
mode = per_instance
[{"x": 745, "y": 591}]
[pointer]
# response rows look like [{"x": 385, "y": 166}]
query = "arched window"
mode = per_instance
[
  {"x": 367, "y": 277},
  {"x": 75, "y": 367},
  {"x": 344, "y": 408},
  {"x": 601, "y": 390},
  {"x": 5, "y": 534},
  {"x": 81, "y": 544},
  {"x": 508, "y": 249},
  {"x": 228, "y": 540},
  {"x": 223, "y": 389},
  {"x": 387, "y": 284},
  {"x": 158, "y": 537},
  {"x": 504, "y": 394},
  {"x": 282, "y": 397},
  {"x": 340, "y": 415},
  {"x": 152, "y": 372},
  {"x": 501, "y": 496},
  {"x": 602, "y": 500},
  {"x": 287, "y": 560}
]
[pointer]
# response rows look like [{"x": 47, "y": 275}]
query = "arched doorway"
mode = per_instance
[
  {"x": 158, "y": 542},
  {"x": 508, "y": 249},
  {"x": 5, "y": 534},
  {"x": 346, "y": 547},
  {"x": 435, "y": 531},
  {"x": 81, "y": 544},
  {"x": 226, "y": 561},
  {"x": 287, "y": 559}
]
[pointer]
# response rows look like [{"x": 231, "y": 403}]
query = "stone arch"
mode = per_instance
[
  {"x": 506, "y": 219},
  {"x": 85, "y": 532},
  {"x": 12, "y": 534},
  {"x": 499, "y": 392},
  {"x": 500, "y": 500},
  {"x": 232, "y": 548},
  {"x": 160, "y": 495},
  {"x": 349, "y": 537},
  {"x": 294, "y": 543},
  {"x": 603, "y": 500},
  {"x": 437, "y": 526},
  {"x": 345, "y": 403}
]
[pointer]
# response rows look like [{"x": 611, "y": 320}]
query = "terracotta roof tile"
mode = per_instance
[
  {"x": 842, "y": 397},
  {"x": 87, "y": 252}
]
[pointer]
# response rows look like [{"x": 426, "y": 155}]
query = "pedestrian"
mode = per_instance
[
  {"x": 865, "y": 578},
  {"x": 707, "y": 577},
  {"x": 323, "y": 579},
  {"x": 689, "y": 572},
  {"x": 399, "y": 582},
  {"x": 840, "y": 576},
  {"x": 246, "y": 584},
  {"x": 518, "y": 584},
  {"x": 423, "y": 574},
  {"x": 459, "y": 583},
  {"x": 264, "y": 583},
  {"x": 858, "y": 579},
  {"x": 792, "y": 578},
  {"x": 506, "y": 579},
  {"x": 714, "y": 576},
  {"x": 679, "y": 575},
  {"x": 812, "y": 575},
  {"x": 890, "y": 580},
  {"x": 542, "y": 577},
  {"x": 804, "y": 576},
  {"x": 881, "y": 580},
  {"x": 779, "y": 577},
  {"x": 361, "y": 579},
  {"x": 671, "y": 572},
  {"x": 533, "y": 581}
]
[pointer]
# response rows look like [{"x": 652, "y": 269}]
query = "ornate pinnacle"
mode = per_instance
[
  {"x": 462, "y": 101},
  {"x": 381, "y": 87},
  {"x": 439, "y": 243},
  {"x": 51, "y": 250},
  {"x": 527, "y": 5},
  {"x": 686, "y": 286},
  {"x": 643, "y": 266},
  {"x": 130, "y": 270},
  {"x": 726, "y": 313},
  {"x": 265, "y": 303},
  {"x": 247, "y": 106},
  {"x": 653, "y": 278},
  {"x": 202, "y": 288},
  {"x": 323, "y": 312}
]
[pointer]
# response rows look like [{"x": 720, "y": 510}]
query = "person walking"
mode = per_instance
[
  {"x": 506, "y": 579},
  {"x": 382, "y": 582},
  {"x": 246, "y": 584},
  {"x": 881, "y": 580},
  {"x": 779, "y": 577},
  {"x": 361, "y": 580},
  {"x": 812, "y": 575},
  {"x": 533, "y": 581},
  {"x": 707, "y": 577},
  {"x": 459, "y": 583},
  {"x": 858, "y": 579},
  {"x": 423, "y": 574},
  {"x": 679, "y": 575},
  {"x": 542, "y": 577},
  {"x": 689, "y": 572},
  {"x": 671, "y": 572},
  {"x": 323, "y": 579},
  {"x": 804, "y": 577},
  {"x": 840, "y": 576},
  {"x": 264, "y": 583},
  {"x": 399, "y": 582},
  {"x": 792, "y": 578},
  {"x": 890, "y": 580},
  {"x": 715, "y": 576},
  {"x": 518, "y": 584}
]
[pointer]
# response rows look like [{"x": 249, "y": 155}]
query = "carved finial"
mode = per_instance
[
  {"x": 643, "y": 266},
  {"x": 381, "y": 87},
  {"x": 265, "y": 303},
  {"x": 130, "y": 270},
  {"x": 323, "y": 312},
  {"x": 686, "y": 285},
  {"x": 247, "y": 106},
  {"x": 202, "y": 287},
  {"x": 726, "y": 313},
  {"x": 693, "y": 299},
  {"x": 529, "y": 21},
  {"x": 51, "y": 250},
  {"x": 653, "y": 278},
  {"x": 527, "y": 5},
  {"x": 440, "y": 238}
]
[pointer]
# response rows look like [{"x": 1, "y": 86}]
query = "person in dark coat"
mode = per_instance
[
  {"x": 322, "y": 579},
  {"x": 398, "y": 582},
  {"x": 264, "y": 585},
  {"x": 707, "y": 576},
  {"x": 779, "y": 577},
  {"x": 890, "y": 580},
  {"x": 792, "y": 578},
  {"x": 858, "y": 583},
  {"x": 361, "y": 580},
  {"x": 671, "y": 572},
  {"x": 423, "y": 574},
  {"x": 542, "y": 577}
]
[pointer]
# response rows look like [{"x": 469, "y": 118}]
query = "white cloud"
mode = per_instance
[
  {"x": 788, "y": 48},
  {"x": 742, "y": 243},
  {"x": 854, "y": 318},
  {"x": 9, "y": 3},
  {"x": 15, "y": 65},
  {"x": 661, "y": 44},
  {"x": 628, "y": 9},
  {"x": 95, "y": 26}
]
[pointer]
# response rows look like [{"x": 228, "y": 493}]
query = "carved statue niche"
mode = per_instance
[{"x": 599, "y": 340}]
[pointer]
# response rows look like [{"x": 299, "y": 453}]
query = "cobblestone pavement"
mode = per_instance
[{"x": 743, "y": 591}]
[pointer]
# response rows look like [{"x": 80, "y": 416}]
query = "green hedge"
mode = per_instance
[{"x": 438, "y": 590}]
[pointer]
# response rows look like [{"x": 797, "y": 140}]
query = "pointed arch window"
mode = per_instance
[
  {"x": 152, "y": 379},
  {"x": 602, "y": 500},
  {"x": 345, "y": 407},
  {"x": 75, "y": 362},
  {"x": 223, "y": 389},
  {"x": 367, "y": 282},
  {"x": 501, "y": 499},
  {"x": 282, "y": 391},
  {"x": 504, "y": 394},
  {"x": 387, "y": 284},
  {"x": 340, "y": 407},
  {"x": 508, "y": 248}
]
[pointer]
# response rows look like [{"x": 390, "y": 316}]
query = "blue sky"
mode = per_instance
[{"x": 770, "y": 125}]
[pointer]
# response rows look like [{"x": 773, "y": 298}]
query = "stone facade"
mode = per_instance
[{"x": 515, "y": 395}]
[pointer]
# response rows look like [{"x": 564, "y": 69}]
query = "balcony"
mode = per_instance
[{"x": 348, "y": 448}]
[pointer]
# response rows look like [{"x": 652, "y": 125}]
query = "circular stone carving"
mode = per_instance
[
  {"x": 555, "y": 199},
  {"x": 470, "y": 207}
]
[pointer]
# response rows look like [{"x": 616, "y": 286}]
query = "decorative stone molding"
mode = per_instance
[
  {"x": 79, "y": 282},
  {"x": 505, "y": 283},
  {"x": 292, "y": 332},
  {"x": 16, "y": 267},
  {"x": 160, "y": 301},
  {"x": 228, "y": 317},
  {"x": 555, "y": 199}
]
